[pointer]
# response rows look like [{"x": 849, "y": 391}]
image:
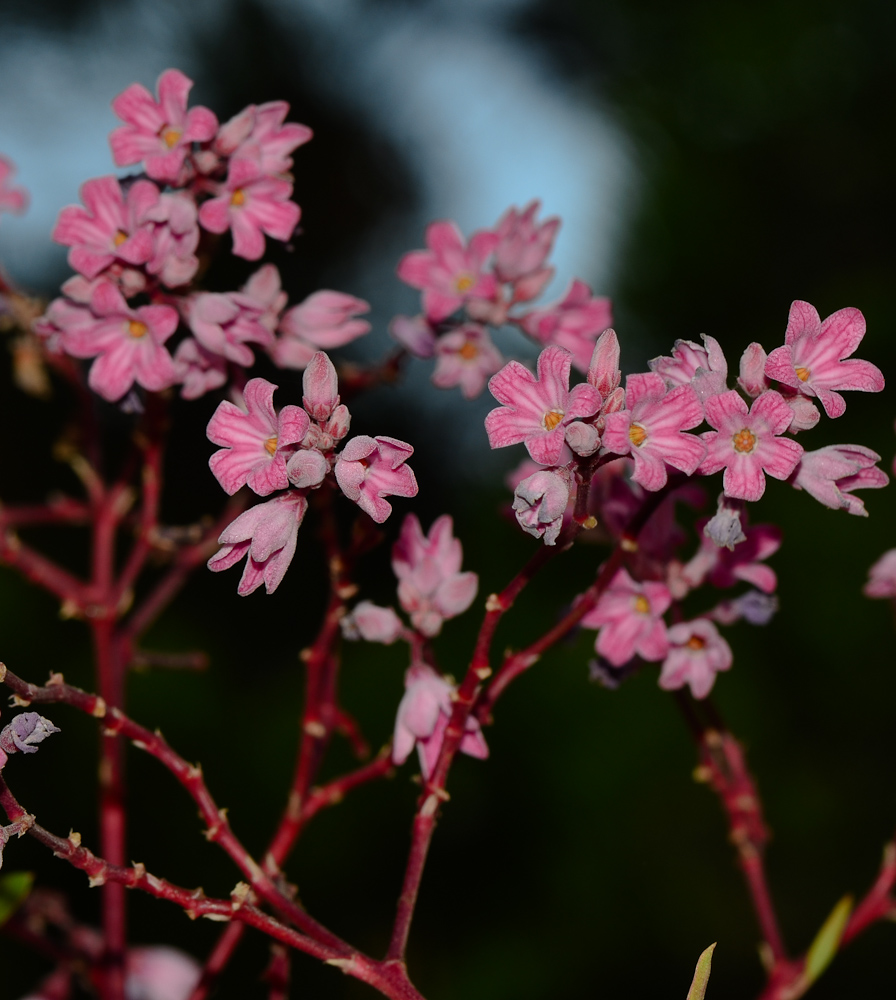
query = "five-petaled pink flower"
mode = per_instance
[
  {"x": 812, "y": 358},
  {"x": 423, "y": 716},
  {"x": 574, "y": 322},
  {"x": 257, "y": 443},
  {"x": 129, "y": 342},
  {"x": 705, "y": 368},
  {"x": 696, "y": 654},
  {"x": 431, "y": 587},
  {"x": 629, "y": 616},
  {"x": 449, "y": 273},
  {"x": 159, "y": 133},
  {"x": 522, "y": 250},
  {"x": 370, "y": 469},
  {"x": 12, "y": 199},
  {"x": 465, "y": 357},
  {"x": 651, "y": 428},
  {"x": 537, "y": 410},
  {"x": 266, "y": 534},
  {"x": 325, "y": 320},
  {"x": 831, "y": 474},
  {"x": 745, "y": 442},
  {"x": 112, "y": 227}
]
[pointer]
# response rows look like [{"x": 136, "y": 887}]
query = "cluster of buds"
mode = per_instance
[
  {"x": 489, "y": 282},
  {"x": 292, "y": 453},
  {"x": 137, "y": 246}
]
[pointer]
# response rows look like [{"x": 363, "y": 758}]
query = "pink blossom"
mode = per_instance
[
  {"x": 524, "y": 245},
  {"x": 325, "y": 320},
  {"x": 372, "y": 623},
  {"x": 266, "y": 534},
  {"x": 882, "y": 577},
  {"x": 159, "y": 133},
  {"x": 198, "y": 370},
  {"x": 573, "y": 323},
  {"x": 251, "y": 203},
  {"x": 537, "y": 411},
  {"x": 225, "y": 323},
  {"x": 629, "y": 616},
  {"x": 651, "y": 428},
  {"x": 449, "y": 273},
  {"x": 258, "y": 132},
  {"x": 745, "y": 562},
  {"x": 257, "y": 441},
  {"x": 812, "y": 358},
  {"x": 705, "y": 368},
  {"x": 160, "y": 973},
  {"x": 12, "y": 199},
  {"x": 696, "y": 654},
  {"x": 369, "y": 469},
  {"x": 603, "y": 369},
  {"x": 466, "y": 357},
  {"x": 745, "y": 442},
  {"x": 540, "y": 502},
  {"x": 175, "y": 233},
  {"x": 831, "y": 474},
  {"x": 112, "y": 226},
  {"x": 415, "y": 334},
  {"x": 320, "y": 387},
  {"x": 423, "y": 716},
  {"x": 431, "y": 587},
  {"x": 128, "y": 343}
]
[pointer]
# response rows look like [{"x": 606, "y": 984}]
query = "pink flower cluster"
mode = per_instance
[
  {"x": 290, "y": 454},
  {"x": 488, "y": 281},
  {"x": 146, "y": 236}
]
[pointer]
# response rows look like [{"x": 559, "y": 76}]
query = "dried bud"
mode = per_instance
[
  {"x": 725, "y": 528},
  {"x": 24, "y": 733}
]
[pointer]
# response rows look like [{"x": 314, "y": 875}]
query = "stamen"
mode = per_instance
[
  {"x": 137, "y": 329},
  {"x": 642, "y": 605},
  {"x": 238, "y": 197},
  {"x": 270, "y": 446},
  {"x": 744, "y": 441},
  {"x": 171, "y": 137},
  {"x": 468, "y": 351},
  {"x": 695, "y": 642},
  {"x": 119, "y": 238},
  {"x": 464, "y": 282},
  {"x": 552, "y": 418},
  {"x": 803, "y": 374},
  {"x": 637, "y": 435}
]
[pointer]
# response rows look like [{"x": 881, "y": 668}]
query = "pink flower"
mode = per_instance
[
  {"x": 651, "y": 428},
  {"x": 323, "y": 321},
  {"x": 160, "y": 973},
  {"x": 704, "y": 368},
  {"x": 537, "y": 411},
  {"x": 256, "y": 443},
  {"x": 12, "y": 199},
  {"x": 197, "y": 369},
  {"x": 266, "y": 534},
  {"x": 415, "y": 334},
  {"x": 423, "y": 716},
  {"x": 573, "y": 323},
  {"x": 882, "y": 577},
  {"x": 159, "y": 133},
  {"x": 629, "y": 616},
  {"x": 250, "y": 204},
  {"x": 225, "y": 323},
  {"x": 745, "y": 562},
  {"x": 129, "y": 342},
  {"x": 372, "y": 623},
  {"x": 696, "y": 654},
  {"x": 539, "y": 502},
  {"x": 524, "y": 246},
  {"x": 431, "y": 587},
  {"x": 369, "y": 469},
  {"x": 449, "y": 273},
  {"x": 258, "y": 133},
  {"x": 466, "y": 357},
  {"x": 812, "y": 358},
  {"x": 175, "y": 233},
  {"x": 112, "y": 227},
  {"x": 831, "y": 474},
  {"x": 745, "y": 442}
]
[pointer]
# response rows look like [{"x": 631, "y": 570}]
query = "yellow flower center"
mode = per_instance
[
  {"x": 137, "y": 329},
  {"x": 464, "y": 282},
  {"x": 171, "y": 136},
  {"x": 642, "y": 605},
  {"x": 238, "y": 197},
  {"x": 744, "y": 441},
  {"x": 637, "y": 435},
  {"x": 119, "y": 238},
  {"x": 270, "y": 446},
  {"x": 802, "y": 374},
  {"x": 552, "y": 418},
  {"x": 468, "y": 351},
  {"x": 695, "y": 642}
]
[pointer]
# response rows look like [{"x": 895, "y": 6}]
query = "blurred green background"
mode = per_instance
[{"x": 582, "y": 859}]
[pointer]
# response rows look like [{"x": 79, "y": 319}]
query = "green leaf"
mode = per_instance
[
  {"x": 701, "y": 975},
  {"x": 14, "y": 889},
  {"x": 827, "y": 940}
]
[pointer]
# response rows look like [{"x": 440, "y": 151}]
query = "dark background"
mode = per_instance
[{"x": 581, "y": 859}]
